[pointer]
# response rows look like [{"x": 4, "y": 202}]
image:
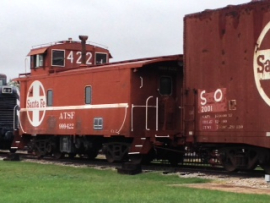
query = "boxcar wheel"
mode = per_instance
[
  {"x": 228, "y": 160},
  {"x": 228, "y": 166},
  {"x": 252, "y": 155}
]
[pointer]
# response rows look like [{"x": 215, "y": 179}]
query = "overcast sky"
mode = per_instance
[{"x": 129, "y": 28}]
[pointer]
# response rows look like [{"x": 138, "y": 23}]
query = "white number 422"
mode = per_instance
[{"x": 79, "y": 54}]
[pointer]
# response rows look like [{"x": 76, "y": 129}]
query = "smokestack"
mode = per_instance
[{"x": 83, "y": 39}]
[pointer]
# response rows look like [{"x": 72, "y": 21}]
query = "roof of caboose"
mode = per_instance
[{"x": 41, "y": 49}]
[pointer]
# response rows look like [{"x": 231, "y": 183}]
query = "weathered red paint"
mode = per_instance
[{"x": 220, "y": 48}]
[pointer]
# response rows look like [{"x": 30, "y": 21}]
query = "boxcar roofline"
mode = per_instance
[{"x": 228, "y": 7}]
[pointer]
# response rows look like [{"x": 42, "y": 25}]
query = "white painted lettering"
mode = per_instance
[
  {"x": 218, "y": 96},
  {"x": 204, "y": 101},
  {"x": 67, "y": 115}
]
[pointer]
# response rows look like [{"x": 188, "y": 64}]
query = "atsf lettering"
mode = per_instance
[{"x": 67, "y": 115}]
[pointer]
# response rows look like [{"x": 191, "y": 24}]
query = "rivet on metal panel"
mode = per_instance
[{"x": 267, "y": 134}]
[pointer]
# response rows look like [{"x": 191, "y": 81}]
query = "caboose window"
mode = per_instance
[
  {"x": 98, "y": 123},
  {"x": 88, "y": 95},
  {"x": 39, "y": 61},
  {"x": 101, "y": 58},
  {"x": 165, "y": 85},
  {"x": 49, "y": 98},
  {"x": 58, "y": 58}
]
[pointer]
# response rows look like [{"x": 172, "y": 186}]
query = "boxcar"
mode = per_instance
[{"x": 226, "y": 56}]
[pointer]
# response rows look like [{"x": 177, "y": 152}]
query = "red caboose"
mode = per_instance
[
  {"x": 227, "y": 76},
  {"x": 82, "y": 105}
]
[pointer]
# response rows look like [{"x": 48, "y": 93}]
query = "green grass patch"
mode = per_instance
[{"x": 31, "y": 182}]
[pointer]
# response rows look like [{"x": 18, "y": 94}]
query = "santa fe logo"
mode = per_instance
[
  {"x": 261, "y": 64},
  {"x": 36, "y": 103}
]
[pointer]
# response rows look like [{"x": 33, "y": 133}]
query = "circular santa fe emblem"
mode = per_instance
[
  {"x": 36, "y": 103},
  {"x": 261, "y": 64}
]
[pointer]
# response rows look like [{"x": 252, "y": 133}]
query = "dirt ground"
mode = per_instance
[
  {"x": 230, "y": 184},
  {"x": 228, "y": 188}
]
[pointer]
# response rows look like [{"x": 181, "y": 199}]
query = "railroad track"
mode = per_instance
[{"x": 163, "y": 167}]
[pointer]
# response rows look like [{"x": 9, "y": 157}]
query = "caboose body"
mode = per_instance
[
  {"x": 226, "y": 56},
  {"x": 124, "y": 108}
]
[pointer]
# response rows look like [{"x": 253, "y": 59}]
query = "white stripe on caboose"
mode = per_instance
[{"x": 87, "y": 106}]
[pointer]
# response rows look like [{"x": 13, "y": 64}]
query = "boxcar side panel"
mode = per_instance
[{"x": 226, "y": 67}]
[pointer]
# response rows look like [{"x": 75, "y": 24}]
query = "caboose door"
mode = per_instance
[
  {"x": 168, "y": 102},
  {"x": 156, "y": 98}
]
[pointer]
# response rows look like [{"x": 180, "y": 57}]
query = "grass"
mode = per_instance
[{"x": 30, "y": 182}]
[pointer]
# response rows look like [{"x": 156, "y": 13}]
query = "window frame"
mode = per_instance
[
  {"x": 171, "y": 79},
  {"x": 99, "y": 125},
  {"x": 85, "y": 94},
  {"x": 49, "y": 101},
  {"x": 101, "y": 53},
  {"x": 64, "y": 59},
  {"x": 37, "y": 59}
]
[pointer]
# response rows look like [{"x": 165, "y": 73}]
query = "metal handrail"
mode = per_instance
[
  {"x": 146, "y": 112},
  {"x": 157, "y": 114}
]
